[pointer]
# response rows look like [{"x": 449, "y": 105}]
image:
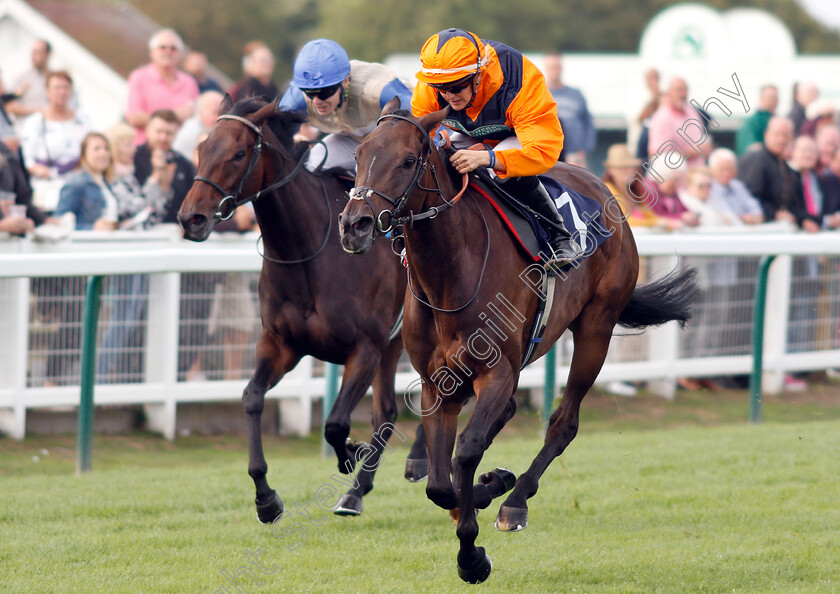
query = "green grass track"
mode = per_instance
[{"x": 698, "y": 508}]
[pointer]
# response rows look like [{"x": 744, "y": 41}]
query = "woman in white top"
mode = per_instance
[{"x": 51, "y": 141}]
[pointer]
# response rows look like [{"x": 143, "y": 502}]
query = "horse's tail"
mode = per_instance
[{"x": 661, "y": 300}]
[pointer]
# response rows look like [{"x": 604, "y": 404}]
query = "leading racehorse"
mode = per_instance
[
  {"x": 314, "y": 298},
  {"x": 464, "y": 270}
]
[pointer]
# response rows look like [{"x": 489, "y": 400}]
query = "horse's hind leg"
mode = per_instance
[
  {"x": 496, "y": 482},
  {"x": 592, "y": 338},
  {"x": 383, "y": 417},
  {"x": 417, "y": 463},
  {"x": 273, "y": 361}
]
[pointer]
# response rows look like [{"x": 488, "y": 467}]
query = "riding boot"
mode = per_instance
[{"x": 532, "y": 192}]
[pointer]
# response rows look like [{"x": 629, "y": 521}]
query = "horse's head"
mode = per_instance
[
  {"x": 229, "y": 166},
  {"x": 389, "y": 165}
]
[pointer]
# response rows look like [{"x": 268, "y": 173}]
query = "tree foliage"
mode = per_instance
[
  {"x": 221, "y": 28},
  {"x": 376, "y": 29},
  {"x": 372, "y": 30}
]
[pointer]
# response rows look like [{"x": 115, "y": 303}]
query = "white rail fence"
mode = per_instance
[{"x": 179, "y": 321}]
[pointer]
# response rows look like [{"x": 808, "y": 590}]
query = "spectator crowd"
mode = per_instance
[
  {"x": 784, "y": 174},
  {"x": 57, "y": 173}
]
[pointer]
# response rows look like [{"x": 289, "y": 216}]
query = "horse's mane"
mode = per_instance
[{"x": 284, "y": 124}]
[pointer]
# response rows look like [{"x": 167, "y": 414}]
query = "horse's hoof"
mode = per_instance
[
  {"x": 416, "y": 470},
  {"x": 349, "y": 505},
  {"x": 352, "y": 446},
  {"x": 512, "y": 519},
  {"x": 478, "y": 573},
  {"x": 502, "y": 479},
  {"x": 270, "y": 510},
  {"x": 455, "y": 514}
]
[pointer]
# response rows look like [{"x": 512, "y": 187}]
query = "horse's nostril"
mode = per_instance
[
  {"x": 363, "y": 225},
  {"x": 197, "y": 220}
]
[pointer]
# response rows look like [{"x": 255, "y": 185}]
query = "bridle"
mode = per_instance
[
  {"x": 237, "y": 200},
  {"x": 365, "y": 193},
  {"x": 235, "y": 197}
]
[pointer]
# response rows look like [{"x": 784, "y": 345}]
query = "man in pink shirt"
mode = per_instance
[
  {"x": 678, "y": 122},
  {"x": 160, "y": 85}
]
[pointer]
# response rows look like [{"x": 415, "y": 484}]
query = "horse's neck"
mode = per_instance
[
  {"x": 293, "y": 219},
  {"x": 446, "y": 253}
]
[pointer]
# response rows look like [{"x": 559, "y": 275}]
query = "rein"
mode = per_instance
[{"x": 480, "y": 276}]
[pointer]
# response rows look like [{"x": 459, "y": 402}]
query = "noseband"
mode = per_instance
[
  {"x": 234, "y": 197},
  {"x": 365, "y": 193}
]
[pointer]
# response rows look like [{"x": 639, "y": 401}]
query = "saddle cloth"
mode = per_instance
[{"x": 581, "y": 216}]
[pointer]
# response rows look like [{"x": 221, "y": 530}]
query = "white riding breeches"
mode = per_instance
[
  {"x": 341, "y": 152},
  {"x": 462, "y": 141}
]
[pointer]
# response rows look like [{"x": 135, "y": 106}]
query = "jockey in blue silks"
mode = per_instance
[{"x": 341, "y": 97}]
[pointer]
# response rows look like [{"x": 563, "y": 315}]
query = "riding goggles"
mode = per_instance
[
  {"x": 323, "y": 93},
  {"x": 454, "y": 87}
]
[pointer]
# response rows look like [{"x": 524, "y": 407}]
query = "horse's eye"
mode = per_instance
[
  {"x": 409, "y": 162},
  {"x": 239, "y": 156}
]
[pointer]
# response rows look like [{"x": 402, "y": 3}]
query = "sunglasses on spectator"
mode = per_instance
[
  {"x": 323, "y": 94},
  {"x": 454, "y": 87},
  {"x": 171, "y": 48}
]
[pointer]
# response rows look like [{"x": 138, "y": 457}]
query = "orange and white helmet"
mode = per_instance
[{"x": 451, "y": 55}]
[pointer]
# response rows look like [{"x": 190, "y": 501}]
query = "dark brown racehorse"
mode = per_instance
[
  {"x": 315, "y": 299},
  {"x": 463, "y": 268}
]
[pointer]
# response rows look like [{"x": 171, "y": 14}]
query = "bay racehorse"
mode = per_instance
[
  {"x": 314, "y": 298},
  {"x": 462, "y": 263}
]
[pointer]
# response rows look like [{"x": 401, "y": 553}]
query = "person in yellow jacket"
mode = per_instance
[{"x": 496, "y": 97}]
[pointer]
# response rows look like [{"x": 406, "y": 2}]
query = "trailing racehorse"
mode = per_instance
[
  {"x": 462, "y": 264},
  {"x": 314, "y": 298}
]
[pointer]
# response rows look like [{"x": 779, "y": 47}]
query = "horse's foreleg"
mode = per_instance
[
  {"x": 384, "y": 415},
  {"x": 440, "y": 428},
  {"x": 591, "y": 344},
  {"x": 273, "y": 361},
  {"x": 493, "y": 393},
  {"x": 359, "y": 371}
]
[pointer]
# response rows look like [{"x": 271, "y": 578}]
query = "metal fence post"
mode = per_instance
[
  {"x": 550, "y": 385},
  {"x": 330, "y": 394},
  {"x": 88, "y": 379},
  {"x": 758, "y": 337}
]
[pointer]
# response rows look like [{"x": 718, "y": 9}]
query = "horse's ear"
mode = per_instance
[
  {"x": 430, "y": 121},
  {"x": 390, "y": 107},
  {"x": 264, "y": 112},
  {"x": 226, "y": 104}
]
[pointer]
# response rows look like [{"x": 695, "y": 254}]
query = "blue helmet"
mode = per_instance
[{"x": 320, "y": 63}]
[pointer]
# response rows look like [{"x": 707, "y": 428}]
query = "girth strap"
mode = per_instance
[{"x": 541, "y": 319}]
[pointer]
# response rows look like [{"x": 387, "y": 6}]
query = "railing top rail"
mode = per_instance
[{"x": 96, "y": 253}]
